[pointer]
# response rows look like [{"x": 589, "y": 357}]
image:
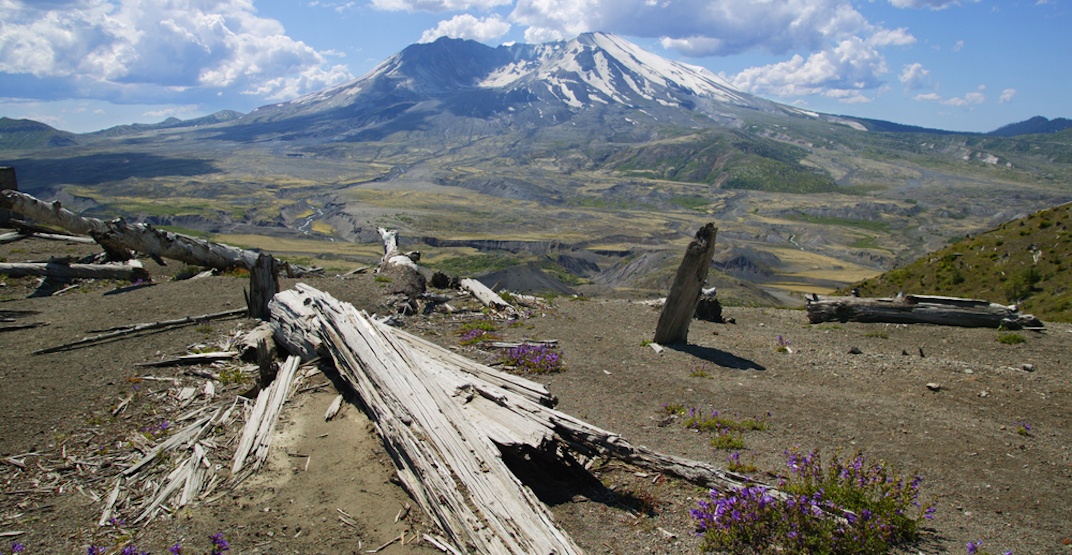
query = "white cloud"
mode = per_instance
[
  {"x": 845, "y": 73},
  {"x": 438, "y": 5},
  {"x": 914, "y": 76},
  {"x": 929, "y": 4},
  {"x": 701, "y": 27},
  {"x": 138, "y": 48},
  {"x": 958, "y": 46},
  {"x": 969, "y": 99},
  {"x": 466, "y": 26},
  {"x": 1007, "y": 95}
]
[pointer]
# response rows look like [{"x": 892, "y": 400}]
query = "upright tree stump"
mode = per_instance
[
  {"x": 7, "y": 182},
  {"x": 673, "y": 326},
  {"x": 263, "y": 285}
]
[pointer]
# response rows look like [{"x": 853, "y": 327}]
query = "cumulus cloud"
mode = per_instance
[
  {"x": 466, "y": 26},
  {"x": 969, "y": 99},
  {"x": 929, "y": 4},
  {"x": 438, "y": 5},
  {"x": 133, "y": 47},
  {"x": 700, "y": 27},
  {"x": 914, "y": 76},
  {"x": 846, "y": 73},
  {"x": 1007, "y": 95}
]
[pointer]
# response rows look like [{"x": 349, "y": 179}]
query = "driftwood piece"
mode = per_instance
[
  {"x": 125, "y": 272},
  {"x": 400, "y": 270},
  {"x": 137, "y": 237},
  {"x": 136, "y": 328},
  {"x": 485, "y": 295},
  {"x": 677, "y": 313},
  {"x": 445, "y": 461},
  {"x": 250, "y": 342},
  {"x": 918, "y": 309}
]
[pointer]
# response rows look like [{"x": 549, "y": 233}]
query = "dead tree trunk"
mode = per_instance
[
  {"x": 677, "y": 313},
  {"x": 400, "y": 270},
  {"x": 263, "y": 285},
  {"x": 117, "y": 234},
  {"x": 7, "y": 183},
  {"x": 918, "y": 309},
  {"x": 445, "y": 460},
  {"x": 81, "y": 271}
]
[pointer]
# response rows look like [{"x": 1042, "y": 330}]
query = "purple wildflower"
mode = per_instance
[{"x": 973, "y": 547}]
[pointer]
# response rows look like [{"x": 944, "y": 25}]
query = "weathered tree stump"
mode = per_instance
[
  {"x": 7, "y": 183},
  {"x": 677, "y": 313},
  {"x": 263, "y": 285}
]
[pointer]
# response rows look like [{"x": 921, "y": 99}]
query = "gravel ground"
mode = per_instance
[{"x": 942, "y": 402}]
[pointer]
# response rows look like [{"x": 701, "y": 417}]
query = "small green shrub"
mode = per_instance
[{"x": 1010, "y": 338}]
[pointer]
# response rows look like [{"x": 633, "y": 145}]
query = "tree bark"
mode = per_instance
[
  {"x": 677, "y": 313},
  {"x": 118, "y": 234},
  {"x": 82, "y": 271},
  {"x": 918, "y": 309}
]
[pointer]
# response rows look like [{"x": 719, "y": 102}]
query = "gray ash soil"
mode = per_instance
[{"x": 991, "y": 483}]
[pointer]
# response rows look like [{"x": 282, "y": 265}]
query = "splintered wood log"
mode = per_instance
[
  {"x": 118, "y": 234},
  {"x": 436, "y": 411},
  {"x": 125, "y": 272},
  {"x": 449, "y": 465},
  {"x": 257, "y": 434},
  {"x": 485, "y": 295},
  {"x": 680, "y": 306},
  {"x": 918, "y": 309}
]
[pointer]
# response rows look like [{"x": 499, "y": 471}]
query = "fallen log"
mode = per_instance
[
  {"x": 677, "y": 313},
  {"x": 399, "y": 270},
  {"x": 130, "y": 272},
  {"x": 486, "y": 296},
  {"x": 117, "y": 235},
  {"x": 136, "y": 328},
  {"x": 444, "y": 460},
  {"x": 437, "y": 411},
  {"x": 918, "y": 309}
]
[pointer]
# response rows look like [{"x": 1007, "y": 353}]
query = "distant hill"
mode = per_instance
[
  {"x": 1022, "y": 262},
  {"x": 169, "y": 123},
  {"x": 27, "y": 134},
  {"x": 1034, "y": 126}
]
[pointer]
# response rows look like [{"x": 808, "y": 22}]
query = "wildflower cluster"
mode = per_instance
[
  {"x": 477, "y": 332},
  {"x": 735, "y": 464},
  {"x": 158, "y": 430},
  {"x": 1023, "y": 428},
  {"x": 16, "y": 548},
  {"x": 538, "y": 359},
  {"x": 849, "y": 507},
  {"x": 783, "y": 345}
]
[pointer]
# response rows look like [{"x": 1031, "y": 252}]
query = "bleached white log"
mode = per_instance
[
  {"x": 485, "y": 295},
  {"x": 447, "y": 463}
]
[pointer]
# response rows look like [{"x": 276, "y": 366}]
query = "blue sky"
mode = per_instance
[{"x": 84, "y": 65}]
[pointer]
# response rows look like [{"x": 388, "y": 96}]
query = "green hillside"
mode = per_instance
[
  {"x": 1027, "y": 262},
  {"x": 25, "y": 134}
]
